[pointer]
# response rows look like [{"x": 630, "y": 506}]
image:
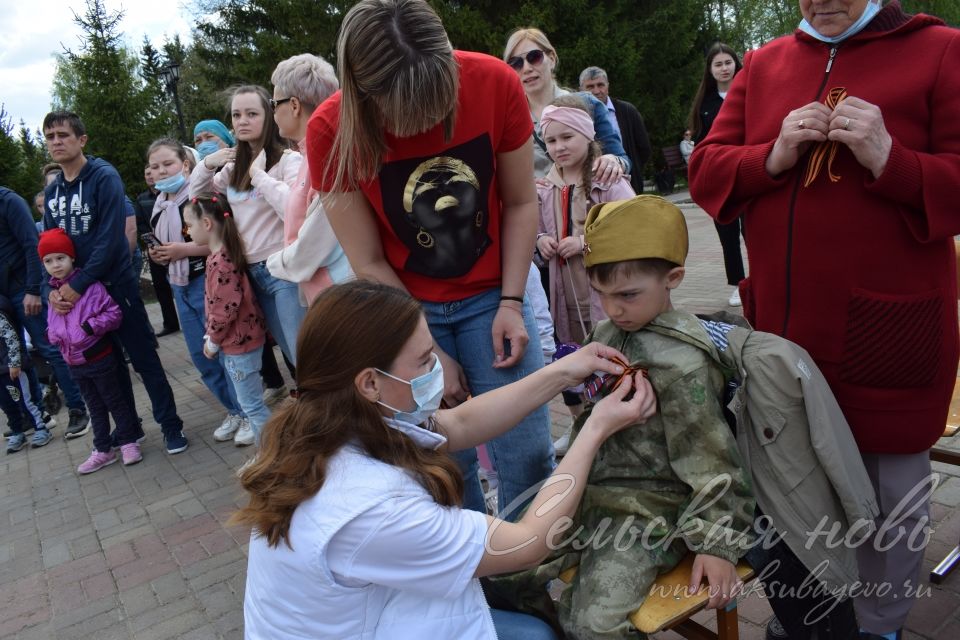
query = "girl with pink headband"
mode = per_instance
[{"x": 568, "y": 132}]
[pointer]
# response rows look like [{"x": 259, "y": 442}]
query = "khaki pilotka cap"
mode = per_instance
[{"x": 642, "y": 227}]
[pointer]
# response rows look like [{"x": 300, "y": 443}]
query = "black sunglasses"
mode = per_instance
[
  {"x": 276, "y": 103},
  {"x": 534, "y": 57}
]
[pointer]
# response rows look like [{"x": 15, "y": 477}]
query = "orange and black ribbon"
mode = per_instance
[
  {"x": 828, "y": 148},
  {"x": 601, "y": 385}
]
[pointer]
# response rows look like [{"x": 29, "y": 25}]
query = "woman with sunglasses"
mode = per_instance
[{"x": 529, "y": 53}]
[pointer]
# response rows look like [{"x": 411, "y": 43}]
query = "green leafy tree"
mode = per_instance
[{"x": 102, "y": 82}]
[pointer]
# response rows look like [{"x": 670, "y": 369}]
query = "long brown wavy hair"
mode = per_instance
[
  {"x": 270, "y": 140},
  {"x": 349, "y": 327}
]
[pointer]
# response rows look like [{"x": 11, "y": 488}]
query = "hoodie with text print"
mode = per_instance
[{"x": 92, "y": 210}]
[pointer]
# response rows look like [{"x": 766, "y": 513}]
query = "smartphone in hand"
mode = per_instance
[{"x": 150, "y": 240}]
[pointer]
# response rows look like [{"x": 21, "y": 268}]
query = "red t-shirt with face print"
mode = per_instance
[{"x": 437, "y": 202}]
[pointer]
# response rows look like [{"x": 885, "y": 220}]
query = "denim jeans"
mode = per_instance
[
  {"x": 522, "y": 456},
  {"x": 244, "y": 372},
  {"x": 280, "y": 301},
  {"x": 511, "y": 625},
  {"x": 100, "y": 382},
  {"x": 193, "y": 320},
  {"x": 136, "y": 336},
  {"x": 36, "y": 326}
]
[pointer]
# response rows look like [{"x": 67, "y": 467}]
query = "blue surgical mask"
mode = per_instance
[
  {"x": 172, "y": 184},
  {"x": 869, "y": 13},
  {"x": 207, "y": 147},
  {"x": 427, "y": 393}
]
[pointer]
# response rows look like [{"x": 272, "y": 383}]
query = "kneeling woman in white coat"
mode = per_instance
[{"x": 355, "y": 504}]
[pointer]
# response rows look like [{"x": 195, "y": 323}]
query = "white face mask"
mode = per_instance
[
  {"x": 869, "y": 13},
  {"x": 427, "y": 393}
]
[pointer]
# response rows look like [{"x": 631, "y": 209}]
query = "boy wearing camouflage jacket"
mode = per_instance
[{"x": 674, "y": 484}]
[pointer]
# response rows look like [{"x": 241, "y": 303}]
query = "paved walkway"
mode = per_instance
[{"x": 144, "y": 551}]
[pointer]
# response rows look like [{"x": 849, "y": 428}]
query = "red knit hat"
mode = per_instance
[{"x": 56, "y": 240}]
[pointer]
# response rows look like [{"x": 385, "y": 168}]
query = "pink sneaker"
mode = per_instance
[
  {"x": 97, "y": 461},
  {"x": 131, "y": 453}
]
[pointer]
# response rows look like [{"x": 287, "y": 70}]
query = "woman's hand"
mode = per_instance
[
  {"x": 170, "y": 252},
  {"x": 614, "y": 413},
  {"x": 547, "y": 246},
  {"x": 154, "y": 254},
  {"x": 859, "y": 125},
  {"x": 570, "y": 246},
  {"x": 220, "y": 157},
  {"x": 455, "y": 387},
  {"x": 607, "y": 169},
  {"x": 722, "y": 577},
  {"x": 259, "y": 164},
  {"x": 508, "y": 325},
  {"x": 594, "y": 357},
  {"x": 801, "y": 128}
]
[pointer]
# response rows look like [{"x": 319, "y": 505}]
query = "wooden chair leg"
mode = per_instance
[{"x": 728, "y": 627}]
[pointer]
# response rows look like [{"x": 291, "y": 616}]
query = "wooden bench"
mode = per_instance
[
  {"x": 674, "y": 159},
  {"x": 668, "y": 606}
]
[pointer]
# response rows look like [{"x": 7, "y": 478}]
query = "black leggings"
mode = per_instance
[{"x": 732, "y": 257}]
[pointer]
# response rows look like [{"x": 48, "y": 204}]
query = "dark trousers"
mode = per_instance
[
  {"x": 11, "y": 400},
  {"x": 101, "y": 383},
  {"x": 270, "y": 371},
  {"x": 801, "y": 612},
  {"x": 136, "y": 336},
  {"x": 161, "y": 286},
  {"x": 732, "y": 257}
]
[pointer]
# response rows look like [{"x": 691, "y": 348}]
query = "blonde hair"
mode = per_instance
[
  {"x": 306, "y": 77},
  {"x": 536, "y": 36},
  {"x": 398, "y": 73}
]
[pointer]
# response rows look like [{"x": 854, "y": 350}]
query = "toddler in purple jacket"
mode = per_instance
[{"x": 83, "y": 337}]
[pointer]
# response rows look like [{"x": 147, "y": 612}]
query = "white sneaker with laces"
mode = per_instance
[
  {"x": 734, "y": 300},
  {"x": 245, "y": 435},
  {"x": 229, "y": 427}
]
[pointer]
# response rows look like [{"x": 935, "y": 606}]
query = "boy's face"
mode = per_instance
[
  {"x": 631, "y": 301},
  {"x": 58, "y": 265}
]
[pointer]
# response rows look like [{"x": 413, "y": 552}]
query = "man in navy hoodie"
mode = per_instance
[
  {"x": 87, "y": 201},
  {"x": 20, "y": 281}
]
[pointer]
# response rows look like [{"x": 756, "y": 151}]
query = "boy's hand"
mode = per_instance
[
  {"x": 722, "y": 577},
  {"x": 14, "y": 373}
]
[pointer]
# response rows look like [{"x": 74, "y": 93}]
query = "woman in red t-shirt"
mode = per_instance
[{"x": 424, "y": 161}]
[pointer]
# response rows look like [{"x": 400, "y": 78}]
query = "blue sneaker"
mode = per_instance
[
  {"x": 16, "y": 442},
  {"x": 40, "y": 438},
  {"x": 176, "y": 443}
]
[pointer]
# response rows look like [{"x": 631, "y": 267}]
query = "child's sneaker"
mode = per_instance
[
  {"x": 48, "y": 420},
  {"x": 15, "y": 442},
  {"x": 97, "y": 460},
  {"x": 175, "y": 443},
  {"x": 245, "y": 435},
  {"x": 131, "y": 453},
  {"x": 40, "y": 438}
]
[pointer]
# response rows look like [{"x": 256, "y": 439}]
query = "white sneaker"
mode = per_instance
[
  {"x": 229, "y": 427},
  {"x": 734, "y": 300},
  {"x": 245, "y": 435},
  {"x": 562, "y": 444},
  {"x": 274, "y": 395}
]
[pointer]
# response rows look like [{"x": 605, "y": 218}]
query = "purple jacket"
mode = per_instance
[{"x": 93, "y": 316}]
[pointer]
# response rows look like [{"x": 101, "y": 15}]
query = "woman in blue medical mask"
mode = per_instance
[
  {"x": 170, "y": 165},
  {"x": 210, "y": 136},
  {"x": 355, "y": 502}
]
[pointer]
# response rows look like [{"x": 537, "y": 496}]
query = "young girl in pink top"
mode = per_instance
[{"x": 235, "y": 325}]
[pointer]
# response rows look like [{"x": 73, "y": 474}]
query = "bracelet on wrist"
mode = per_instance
[{"x": 513, "y": 298}]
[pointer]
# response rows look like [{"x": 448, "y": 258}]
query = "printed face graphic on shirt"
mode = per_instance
[{"x": 437, "y": 206}]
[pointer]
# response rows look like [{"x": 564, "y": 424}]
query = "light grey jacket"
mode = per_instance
[{"x": 798, "y": 448}]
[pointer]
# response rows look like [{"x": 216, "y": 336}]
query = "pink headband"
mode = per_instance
[{"x": 576, "y": 119}]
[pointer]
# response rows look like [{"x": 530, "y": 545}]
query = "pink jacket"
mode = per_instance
[
  {"x": 93, "y": 316},
  {"x": 550, "y": 212}
]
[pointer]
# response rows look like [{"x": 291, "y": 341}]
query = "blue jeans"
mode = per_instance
[
  {"x": 36, "y": 326},
  {"x": 193, "y": 321},
  {"x": 280, "y": 301},
  {"x": 522, "y": 456},
  {"x": 136, "y": 336},
  {"x": 244, "y": 372},
  {"x": 511, "y": 625}
]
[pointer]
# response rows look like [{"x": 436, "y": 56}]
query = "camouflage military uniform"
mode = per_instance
[{"x": 647, "y": 476}]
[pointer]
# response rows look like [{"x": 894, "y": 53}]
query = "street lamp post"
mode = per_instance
[{"x": 170, "y": 75}]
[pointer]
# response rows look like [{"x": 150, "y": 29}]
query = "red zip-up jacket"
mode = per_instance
[{"x": 860, "y": 272}]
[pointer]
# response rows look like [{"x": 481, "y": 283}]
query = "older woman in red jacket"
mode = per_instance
[{"x": 848, "y": 182}]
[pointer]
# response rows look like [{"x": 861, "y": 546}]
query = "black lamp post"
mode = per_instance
[{"x": 170, "y": 75}]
